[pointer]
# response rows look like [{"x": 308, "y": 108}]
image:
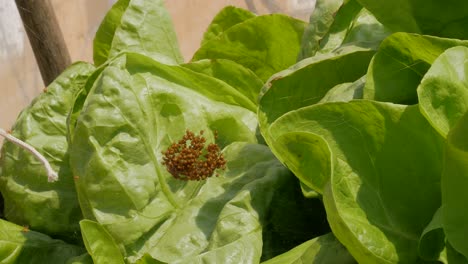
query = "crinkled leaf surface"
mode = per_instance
[
  {"x": 325, "y": 249},
  {"x": 19, "y": 245},
  {"x": 29, "y": 198},
  {"x": 135, "y": 110},
  {"x": 232, "y": 73},
  {"x": 320, "y": 22},
  {"x": 352, "y": 25},
  {"x": 226, "y": 18},
  {"x": 224, "y": 222},
  {"x": 443, "y": 93},
  {"x": 141, "y": 106},
  {"x": 303, "y": 85},
  {"x": 355, "y": 26},
  {"x": 79, "y": 101},
  {"x": 454, "y": 185},
  {"x": 400, "y": 64},
  {"x": 264, "y": 44},
  {"x": 100, "y": 244},
  {"x": 142, "y": 26},
  {"x": 365, "y": 140},
  {"x": 431, "y": 17}
]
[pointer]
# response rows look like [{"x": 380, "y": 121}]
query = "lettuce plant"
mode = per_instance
[{"x": 341, "y": 140}]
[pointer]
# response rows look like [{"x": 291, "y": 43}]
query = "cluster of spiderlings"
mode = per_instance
[{"x": 188, "y": 159}]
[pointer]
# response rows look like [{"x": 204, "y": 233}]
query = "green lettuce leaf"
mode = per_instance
[
  {"x": 305, "y": 84},
  {"x": 147, "y": 259},
  {"x": 305, "y": 219},
  {"x": 443, "y": 92},
  {"x": 142, "y": 26},
  {"x": 432, "y": 241},
  {"x": 335, "y": 24},
  {"x": 365, "y": 214},
  {"x": 263, "y": 44},
  {"x": 400, "y": 64},
  {"x": 320, "y": 22},
  {"x": 225, "y": 19},
  {"x": 106, "y": 31},
  {"x": 223, "y": 223},
  {"x": 21, "y": 245},
  {"x": 138, "y": 95},
  {"x": 454, "y": 184},
  {"x": 136, "y": 108},
  {"x": 29, "y": 198},
  {"x": 81, "y": 259},
  {"x": 437, "y": 18},
  {"x": 360, "y": 142},
  {"x": 235, "y": 75},
  {"x": 454, "y": 257},
  {"x": 100, "y": 244},
  {"x": 345, "y": 92},
  {"x": 291, "y": 89},
  {"x": 325, "y": 249}
]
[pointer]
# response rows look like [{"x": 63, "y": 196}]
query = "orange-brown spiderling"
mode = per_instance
[{"x": 188, "y": 159}]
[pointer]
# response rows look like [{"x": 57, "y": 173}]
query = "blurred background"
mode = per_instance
[{"x": 20, "y": 80}]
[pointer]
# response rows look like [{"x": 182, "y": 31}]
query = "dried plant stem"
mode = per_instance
[{"x": 51, "y": 174}]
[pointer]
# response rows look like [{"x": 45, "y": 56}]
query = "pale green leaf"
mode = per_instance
[
  {"x": 142, "y": 26},
  {"x": 443, "y": 93},
  {"x": 29, "y": 198},
  {"x": 226, "y": 18}
]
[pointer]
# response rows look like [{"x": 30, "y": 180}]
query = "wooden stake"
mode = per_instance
[{"x": 46, "y": 39}]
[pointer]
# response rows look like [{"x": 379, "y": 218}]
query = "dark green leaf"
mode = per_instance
[
  {"x": 454, "y": 186},
  {"x": 82, "y": 259},
  {"x": 454, "y": 257},
  {"x": 305, "y": 219},
  {"x": 432, "y": 241},
  {"x": 20, "y": 245},
  {"x": 431, "y": 17},
  {"x": 399, "y": 65}
]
